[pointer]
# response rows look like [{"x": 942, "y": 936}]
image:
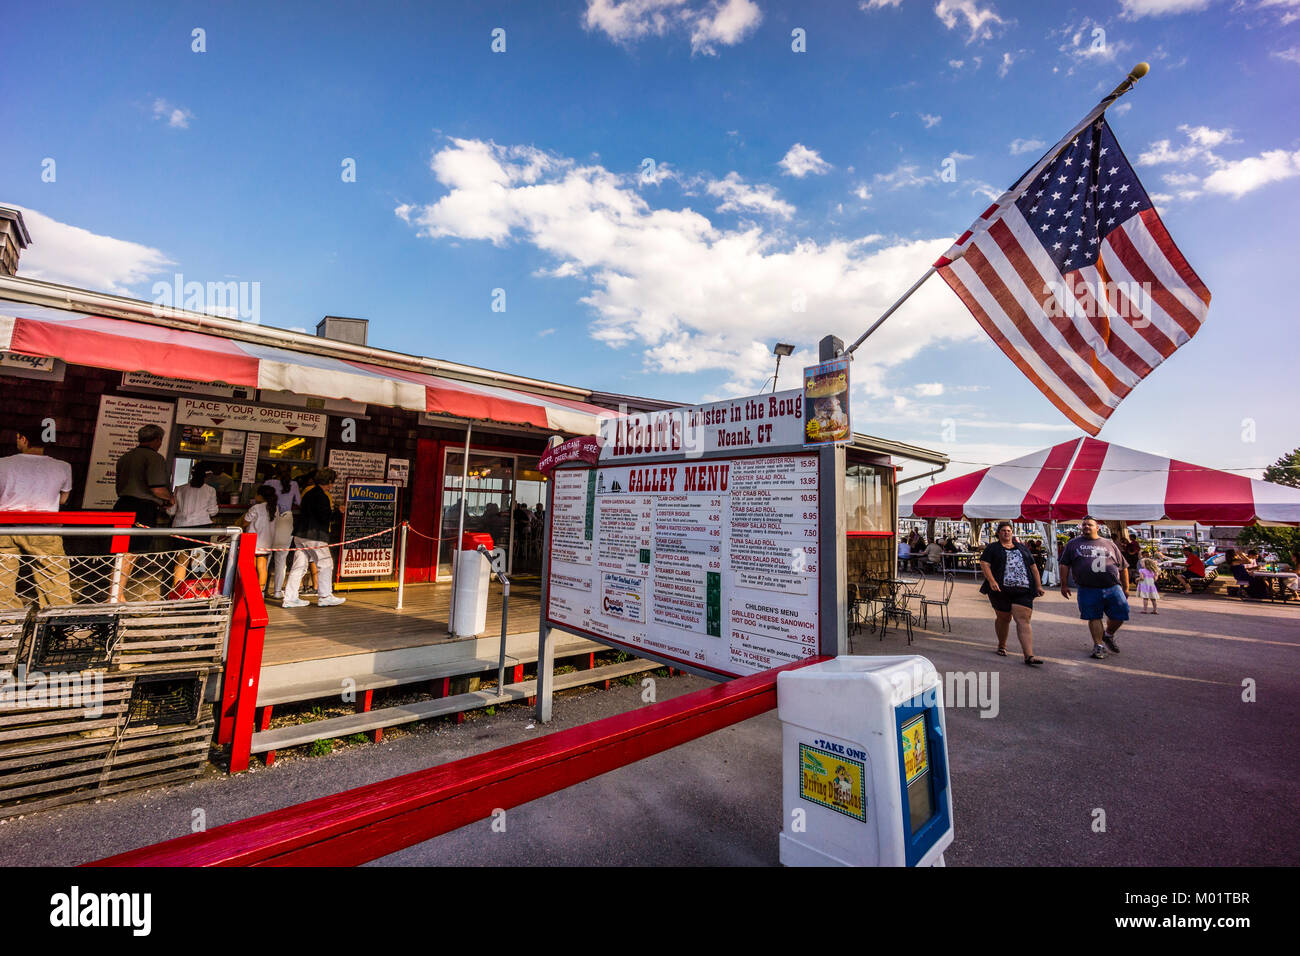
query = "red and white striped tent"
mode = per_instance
[
  {"x": 1085, "y": 476},
  {"x": 128, "y": 346}
]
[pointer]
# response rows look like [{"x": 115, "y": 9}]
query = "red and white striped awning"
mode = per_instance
[
  {"x": 100, "y": 342},
  {"x": 1085, "y": 476}
]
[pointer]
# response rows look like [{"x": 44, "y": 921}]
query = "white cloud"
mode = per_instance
[
  {"x": 799, "y": 161},
  {"x": 928, "y": 389},
  {"x": 1291, "y": 53},
  {"x": 877, "y": 4},
  {"x": 724, "y": 22},
  {"x": 1005, "y": 66},
  {"x": 1021, "y": 146},
  {"x": 1242, "y": 176},
  {"x": 175, "y": 116},
  {"x": 689, "y": 294},
  {"x": 1136, "y": 9},
  {"x": 1200, "y": 141},
  {"x": 863, "y": 192},
  {"x": 902, "y": 176},
  {"x": 930, "y": 120},
  {"x": 1181, "y": 179},
  {"x": 70, "y": 255},
  {"x": 739, "y": 196},
  {"x": 1088, "y": 42},
  {"x": 545, "y": 332},
  {"x": 980, "y": 21},
  {"x": 956, "y": 64},
  {"x": 1120, "y": 109}
]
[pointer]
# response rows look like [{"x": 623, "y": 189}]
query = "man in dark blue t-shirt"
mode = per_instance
[{"x": 1098, "y": 565}]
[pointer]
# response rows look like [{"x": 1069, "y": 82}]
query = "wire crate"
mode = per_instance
[
  {"x": 165, "y": 699},
  {"x": 74, "y": 642}
]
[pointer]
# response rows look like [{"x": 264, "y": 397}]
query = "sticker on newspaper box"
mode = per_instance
[
  {"x": 916, "y": 759},
  {"x": 833, "y": 781}
]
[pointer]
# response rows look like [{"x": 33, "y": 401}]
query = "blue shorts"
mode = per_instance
[{"x": 1093, "y": 602}]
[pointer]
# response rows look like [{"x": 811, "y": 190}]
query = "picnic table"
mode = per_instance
[{"x": 1279, "y": 582}]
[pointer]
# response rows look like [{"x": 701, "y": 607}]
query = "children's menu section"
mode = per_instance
[{"x": 712, "y": 563}]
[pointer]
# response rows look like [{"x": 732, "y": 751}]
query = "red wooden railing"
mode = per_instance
[
  {"x": 370, "y": 822},
  {"x": 235, "y": 712}
]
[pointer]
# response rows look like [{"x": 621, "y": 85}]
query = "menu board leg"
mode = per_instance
[
  {"x": 545, "y": 636},
  {"x": 832, "y": 528},
  {"x": 545, "y": 673}
]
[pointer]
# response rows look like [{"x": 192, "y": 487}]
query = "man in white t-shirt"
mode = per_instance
[{"x": 31, "y": 482}]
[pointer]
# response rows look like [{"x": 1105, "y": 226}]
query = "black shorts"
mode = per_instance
[
  {"x": 1003, "y": 601},
  {"x": 146, "y": 513}
]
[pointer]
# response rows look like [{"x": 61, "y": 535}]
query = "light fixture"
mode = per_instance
[{"x": 780, "y": 349}]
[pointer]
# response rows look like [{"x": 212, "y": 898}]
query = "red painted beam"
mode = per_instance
[{"x": 370, "y": 822}]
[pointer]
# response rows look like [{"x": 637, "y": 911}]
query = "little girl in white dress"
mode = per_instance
[{"x": 1147, "y": 572}]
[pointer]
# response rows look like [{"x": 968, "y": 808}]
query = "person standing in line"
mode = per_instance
[
  {"x": 288, "y": 497},
  {"x": 1011, "y": 581},
  {"x": 1102, "y": 573},
  {"x": 141, "y": 488},
  {"x": 259, "y": 520},
  {"x": 311, "y": 533},
  {"x": 194, "y": 505},
  {"x": 29, "y": 481}
]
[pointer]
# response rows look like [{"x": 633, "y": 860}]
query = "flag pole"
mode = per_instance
[{"x": 1134, "y": 75}]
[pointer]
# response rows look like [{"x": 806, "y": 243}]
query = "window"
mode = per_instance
[{"x": 868, "y": 499}]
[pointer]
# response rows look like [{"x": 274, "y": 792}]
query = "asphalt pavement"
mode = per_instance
[{"x": 1155, "y": 756}]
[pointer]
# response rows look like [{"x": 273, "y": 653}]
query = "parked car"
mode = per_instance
[{"x": 1173, "y": 545}]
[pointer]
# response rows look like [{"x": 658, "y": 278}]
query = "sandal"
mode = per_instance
[
  {"x": 1002, "y": 652},
  {"x": 1033, "y": 662}
]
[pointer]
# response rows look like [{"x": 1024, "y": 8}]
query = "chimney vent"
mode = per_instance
[
  {"x": 342, "y": 329},
  {"x": 14, "y": 238}
]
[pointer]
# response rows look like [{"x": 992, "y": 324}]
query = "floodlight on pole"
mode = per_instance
[{"x": 780, "y": 349}]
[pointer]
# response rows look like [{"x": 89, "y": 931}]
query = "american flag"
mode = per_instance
[{"x": 1074, "y": 276}]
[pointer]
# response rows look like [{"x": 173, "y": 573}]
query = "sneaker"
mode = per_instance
[
  {"x": 295, "y": 602},
  {"x": 1099, "y": 652},
  {"x": 329, "y": 600},
  {"x": 1110, "y": 642},
  {"x": 308, "y": 590},
  {"x": 278, "y": 596}
]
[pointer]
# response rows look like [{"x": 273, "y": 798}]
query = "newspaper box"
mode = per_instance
[{"x": 865, "y": 763}]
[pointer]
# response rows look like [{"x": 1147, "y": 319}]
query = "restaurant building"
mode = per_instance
[{"x": 240, "y": 399}]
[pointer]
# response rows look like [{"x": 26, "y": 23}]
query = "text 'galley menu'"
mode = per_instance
[{"x": 713, "y": 563}]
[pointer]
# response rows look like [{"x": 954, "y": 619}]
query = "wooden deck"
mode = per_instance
[{"x": 370, "y": 621}]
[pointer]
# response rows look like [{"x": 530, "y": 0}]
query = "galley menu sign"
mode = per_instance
[{"x": 714, "y": 563}]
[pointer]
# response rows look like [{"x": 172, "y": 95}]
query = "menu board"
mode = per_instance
[
  {"x": 369, "y": 509},
  {"x": 712, "y": 563},
  {"x": 350, "y": 465},
  {"x": 119, "y": 420}
]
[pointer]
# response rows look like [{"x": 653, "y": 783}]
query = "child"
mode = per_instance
[
  {"x": 260, "y": 520},
  {"x": 1148, "y": 570}
]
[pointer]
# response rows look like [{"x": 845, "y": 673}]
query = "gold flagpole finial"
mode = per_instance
[{"x": 1134, "y": 75}]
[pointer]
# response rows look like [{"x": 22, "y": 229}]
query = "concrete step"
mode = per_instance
[{"x": 298, "y": 734}]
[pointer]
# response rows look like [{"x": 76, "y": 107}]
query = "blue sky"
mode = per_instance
[{"x": 665, "y": 188}]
